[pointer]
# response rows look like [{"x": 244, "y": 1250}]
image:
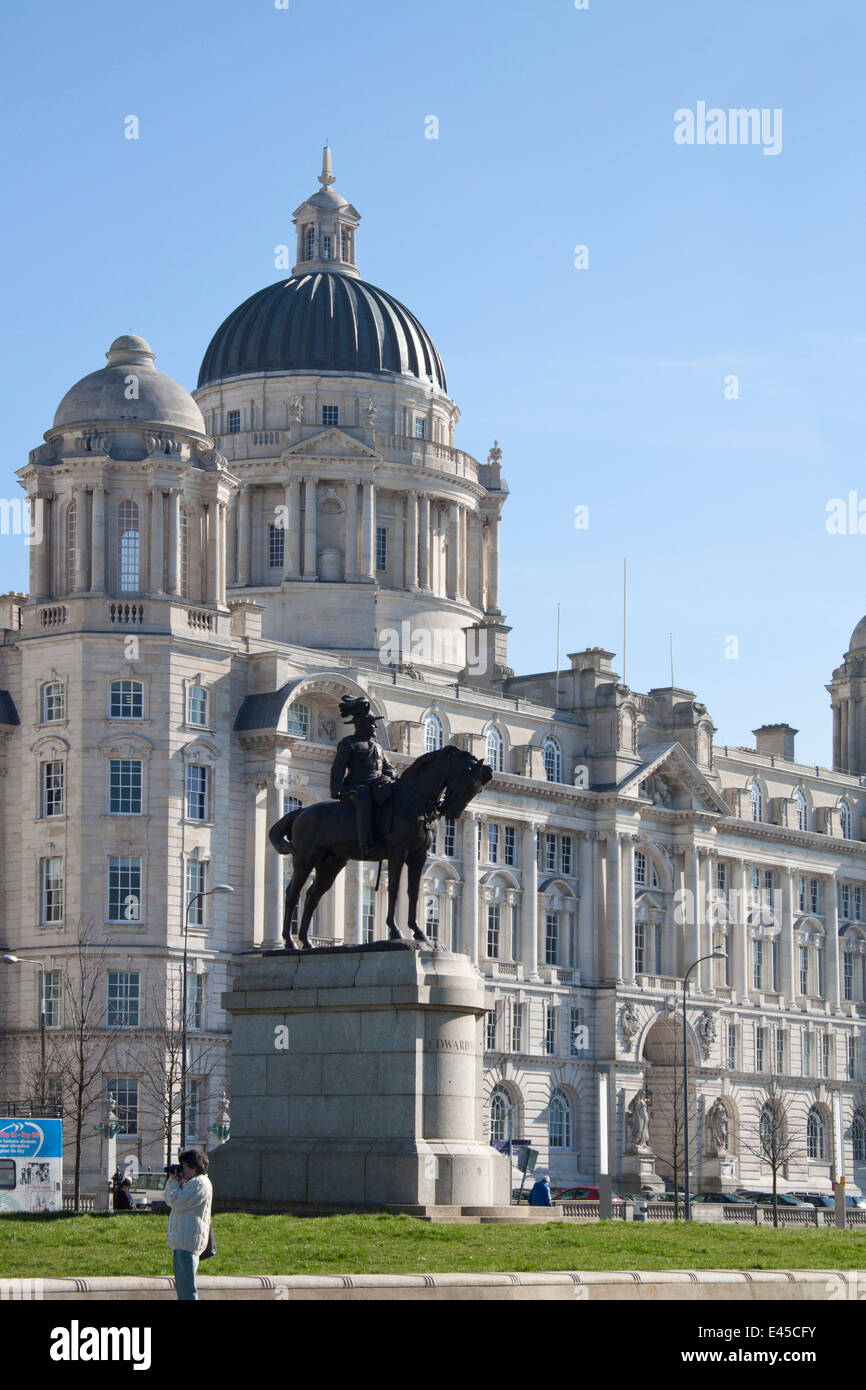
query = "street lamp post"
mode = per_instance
[
  {"x": 217, "y": 888},
  {"x": 715, "y": 955},
  {"x": 21, "y": 960}
]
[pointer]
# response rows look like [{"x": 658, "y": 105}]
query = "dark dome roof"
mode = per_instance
[{"x": 324, "y": 322}]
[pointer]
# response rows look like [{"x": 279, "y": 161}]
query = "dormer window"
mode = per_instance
[
  {"x": 330, "y": 414},
  {"x": 327, "y": 243}
]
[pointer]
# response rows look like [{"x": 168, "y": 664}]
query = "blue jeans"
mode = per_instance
[{"x": 185, "y": 1266}]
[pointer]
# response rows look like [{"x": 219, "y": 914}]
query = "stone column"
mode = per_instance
[
  {"x": 355, "y": 906},
  {"x": 368, "y": 531},
  {"x": 398, "y": 564},
  {"x": 222, "y": 538},
  {"x": 469, "y": 934},
  {"x": 212, "y": 553},
  {"x": 627, "y": 871},
  {"x": 254, "y": 868},
  {"x": 97, "y": 544},
  {"x": 311, "y": 560},
  {"x": 740, "y": 932},
  {"x": 613, "y": 913},
  {"x": 453, "y": 551},
  {"x": 274, "y": 872},
  {"x": 852, "y": 734},
  {"x": 512, "y": 924},
  {"x": 529, "y": 906},
  {"x": 244, "y": 536},
  {"x": 493, "y": 566},
  {"x": 173, "y": 540},
  {"x": 787, "y": 944},
  {"x": 692, "y": 927},
  {"x": 351, "y": 530},
  {"x": 476, "y": 547},
  {"x": 81, "y": 540},
  {"x": 293, "y": 537},
  {"x": 585, "y": 922},
  {"x": 411, "y": 577},
  {"x": 831, "y": 943},
  {"x": 156, "y": 540},
  {"x": 424, "y": 553},
  {"x": 453, "y": 898}
]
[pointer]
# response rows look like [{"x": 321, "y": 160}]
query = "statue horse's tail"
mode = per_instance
[{"x": 280, "y": 834}]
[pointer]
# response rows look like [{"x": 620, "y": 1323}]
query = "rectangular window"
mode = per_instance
[
  {"x": 53, "y": 999},
  {"x": 381, "y": 548},
  {"x": 196, "y": 883},
  {"x": 196, "y": 792},
  {"x": 804, "y": 969},
  {"x": 197, "y": 706},
  {"x": 330, "y": 415},
  {"x": 550, "y": 853},
  {"x": 124, "y": 888},
  {"x": 848, "y": 975},
  {"x": 757, "y": 964},
  {"x": 657, "y": 955},
  {"x": 195, "y": 1001},
  {"x": 298, "y": 720},
  {"x": 858, "y": 904},
  {"x": 565, "y": 852},
  {"x": 574, "y": 1033},
  {"x": 490, "y": 1031},
  {"x": 760, "y": 1044},
  {"x": 492, "y": 843},
  {"x": 124, "y": 782},
  {"x": 852, "y": 1057},
  {"x": 639, "y": 866},
  {"x": 516, "y": 1026},
  {"x": 510, "y": 845},
  {"x": 845, "y": 899},
  {"x": 807, "y": 1054},
  {"x": 756, "y": 880},
  {"x": 124, "y": 1092},
  {"x": 53, "y": 703},
  {"x": 431, "y": 916},
  {"x": 801, "y": 894},
  {"x": 419, "y": 428},
  {"x": 234, "y": 419},
  {"x": 126, "y": 700},
  {"x": 814, "y": 895},
  {"x": 780, "y": 1053},
  {"x": 449, "y": 838},
  {"x": 549, "y": 1030},
  {"x": 276, "y": 547},
  {"x": 722, "y": 879},
  {"x": 551, "y": 938},
  {"x": 732, "y": 1046},
  {"x": 51, "y": 890},
  {"x": 825, "y": 1054},
  {"x": 368, "y": 914},
  {"x": 640, "y": 948},
  {"x": 193, "y": 1108},
  {"x": 123, "y": 998},
  {"x": 52, "y": 789},
  {"x": 493, "y": 931}
]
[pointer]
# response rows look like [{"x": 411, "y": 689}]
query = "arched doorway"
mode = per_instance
[{"x": 663, "y": 1053}]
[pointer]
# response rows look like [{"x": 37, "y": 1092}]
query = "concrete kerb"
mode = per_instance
[{"x": 748, "y": 1286}]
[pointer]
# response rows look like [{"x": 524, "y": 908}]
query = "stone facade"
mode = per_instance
[{"x": 214, "y": 574}]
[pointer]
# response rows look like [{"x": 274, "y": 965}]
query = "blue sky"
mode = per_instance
[{"x": 604, "y": 386}]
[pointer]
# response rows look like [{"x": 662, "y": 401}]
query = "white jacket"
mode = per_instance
[{"x": 189, "y": 1219}]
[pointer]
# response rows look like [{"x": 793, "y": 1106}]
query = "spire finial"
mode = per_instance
[{"x": 326, "y": 178}]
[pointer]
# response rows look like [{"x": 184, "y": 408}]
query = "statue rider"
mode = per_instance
[{"x": 361, "y": 774}]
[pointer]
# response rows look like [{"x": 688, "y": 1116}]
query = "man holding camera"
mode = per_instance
[{"x": 189, "y": 1195}]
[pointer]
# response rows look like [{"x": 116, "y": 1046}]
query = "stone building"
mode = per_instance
[{"x": 215, "y": 571}]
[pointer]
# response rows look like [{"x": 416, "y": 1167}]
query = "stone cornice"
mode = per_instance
[{"x": 783, "y": 834}]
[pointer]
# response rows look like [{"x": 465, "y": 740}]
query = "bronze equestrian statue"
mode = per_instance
[{"x": 374, "y": 815}]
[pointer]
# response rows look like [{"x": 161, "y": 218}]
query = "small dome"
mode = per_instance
[
  {"x": 858, "y": 637},
  {"x": 129, "y": 389},
  {"x": 322, "y": 322}
]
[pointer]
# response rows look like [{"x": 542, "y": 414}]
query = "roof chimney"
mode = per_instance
[{"x": 776, "y": 740}]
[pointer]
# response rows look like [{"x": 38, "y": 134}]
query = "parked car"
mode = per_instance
[
  {"x": 765, "y": 1199},
  {"x": 147, "y": 1188},
  {"x": 579, "y": 1194},
  {"x": 826, "y": 1199},
  {"x": 726, "y": 1197}
]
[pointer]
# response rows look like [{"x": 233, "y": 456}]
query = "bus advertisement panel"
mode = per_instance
[{"x": 31, "y": 1165}]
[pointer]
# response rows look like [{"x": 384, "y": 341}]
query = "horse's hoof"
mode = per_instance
[
  {"x": 307, "y": 945},
  {"x": 290, "y": 946}
]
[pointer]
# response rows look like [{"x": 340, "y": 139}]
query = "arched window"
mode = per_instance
[
  {"x": 434, "y": 733},
  {"x": 858, "y": 1136},
  {"x": 559, "y": 1122},
  {"x": 71, "y": 533},
  {"x": 431, "y": 916},
  {"x": 298, "y": 720},
  {"x": 756, "y": 801},
  {"x": 501, "y": 1116},
  {"x": 311, "y": 243},
  {"x": 495, "y": 749},
  {"x": 816, "y": 1135},
  {"x": 552, "y": 759},
  {"x": 802, "y": 810},
  {"x": 129, "y": 547},
  {"x": 184, "y": 554},
  {"x": 846, "y": 820},
  {"x": 291, "y": 803}
]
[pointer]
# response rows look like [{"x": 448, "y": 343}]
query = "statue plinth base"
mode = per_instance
[
  {"x": 719, "y": 1172},
  {"x": 639, "y": 1172},
  {"x": 357, "y": 1081}
]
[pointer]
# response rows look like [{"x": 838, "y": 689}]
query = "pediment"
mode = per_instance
[
  {"x": 673, "y": 781},
  {"x": 331, "y": 443}
]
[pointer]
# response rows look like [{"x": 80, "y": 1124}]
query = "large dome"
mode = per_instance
[
  {"x": 111, "y": 394},
  {"x": 322, "y": 322},
  {"x": 858, "y": 637}
]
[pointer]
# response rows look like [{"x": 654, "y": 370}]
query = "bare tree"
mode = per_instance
[
  {"x": 160, "y": 1052},
  {"x": 772, "y": 1138},
  {"x": 77, "y": 1052},
  {"x": 669, "y": 1122}
]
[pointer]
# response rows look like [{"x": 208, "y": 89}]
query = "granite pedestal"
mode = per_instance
[{"x": 356, "y": 1079}]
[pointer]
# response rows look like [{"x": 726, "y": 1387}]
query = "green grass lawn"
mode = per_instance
[{"x": 54, "y": 1246}]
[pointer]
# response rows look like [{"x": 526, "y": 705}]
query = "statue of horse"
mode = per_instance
[{"x": 323, "y": 837}]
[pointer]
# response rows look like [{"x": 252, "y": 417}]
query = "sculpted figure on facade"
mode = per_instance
[
  {"x": 707, "y": 1031},
  {"x": 638, "y": 1121},
  {"x": 629, "y": 1023},
  {"x": 718, "y": 1124}
]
